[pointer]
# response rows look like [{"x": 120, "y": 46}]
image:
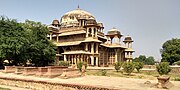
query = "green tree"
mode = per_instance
[
  {"x": 138, "y": 65},
  {"x": 12, "y": 40},
  {"x": 63, "y": 63},
  {"x": 142, "y": 58},
  {"x": 150, "y": 61},
  {"x": 41, "y": 51},
  {"x": 163, "y": 68},
  {"x": 128, "y": 67},
  {"x": 146, "y": 60},
  {"x": 170, "y": 51},
  {"x": 20, "y": 42},
  {"x": 117, "y": 66},
  {"x": 80, "y": 64}
]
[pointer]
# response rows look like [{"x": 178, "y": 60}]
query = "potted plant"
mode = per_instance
[{"x": 163, "y": 69}]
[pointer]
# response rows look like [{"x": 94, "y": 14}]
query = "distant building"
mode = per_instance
[{"x": 79, "y": 37}]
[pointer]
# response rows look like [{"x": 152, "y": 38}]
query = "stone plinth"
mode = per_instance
[
  {"x": 19, "y": 70},
  {"x": 54, "y": 71},
  {"x": 41, "y": 71},
  {"x": 163, "y": 82},
  {"x": 30, "y": 70},
  {"x": 9, "y": 69},
  {"x": 70, "y": 73}
]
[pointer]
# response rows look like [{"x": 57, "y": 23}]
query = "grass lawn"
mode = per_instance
[
  {"x": 4, "y": 88},
  {"x": 151, "y": 75}
]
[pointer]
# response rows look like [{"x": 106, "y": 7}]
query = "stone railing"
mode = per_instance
[{"x": 45, "y": 85}]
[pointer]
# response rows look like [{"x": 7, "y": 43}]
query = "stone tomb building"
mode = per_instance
[{"x": 79, "y": 37}]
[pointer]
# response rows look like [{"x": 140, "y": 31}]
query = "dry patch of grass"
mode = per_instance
[
  {"x": 152, "y": 75},
  {"x": 4, "y": 88}
]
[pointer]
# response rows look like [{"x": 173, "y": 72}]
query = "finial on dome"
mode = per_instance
[{"x": 78, "y": 7}]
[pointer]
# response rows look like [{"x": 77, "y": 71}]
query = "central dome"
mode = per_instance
[
  {"x": 74, "y": 16},
  {"x": 78, "y": 13}
]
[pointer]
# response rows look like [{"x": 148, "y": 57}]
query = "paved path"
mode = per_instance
[{"x": 100, "y": 81}]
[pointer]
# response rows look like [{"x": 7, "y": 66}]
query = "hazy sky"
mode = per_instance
[{"x": 149, "y": 22}]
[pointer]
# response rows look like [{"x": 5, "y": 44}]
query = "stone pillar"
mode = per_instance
[
  {"x": 96, "y": 33},
  {"x": 92, "y": 60},
  {"x": 97, "y": 45},
  {"x": 97, "y": 61},
  {"x": 103, "y": 59},
  {"x": 50, "y": 36},
  {"x": 130, "y": 45},
  {"x": 69, "y": 59},
  {"x": 92, "y": 32},
  {"x": 81, "y": 57},
  {"x": 86, "y": 46},
  {"x": 92, "y": 47},
  {"x": 65, "y": 59},
  {"x": 116, "y": 55},
  {"x": 78, "y": 58},
  {"x": 75, "y": 59},
  {"x": 72, "y": 58},
  {"x": 87, "y": 32},
  {"x": 57, "y": 37},
  {"x": 120, "y": 58}
]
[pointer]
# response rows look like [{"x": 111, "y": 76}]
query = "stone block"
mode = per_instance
[
  {"x": 9, "y": 69},
  {"x": 41, "y": 71}
]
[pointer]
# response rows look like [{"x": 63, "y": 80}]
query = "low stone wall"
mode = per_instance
[
  {"x": 41, "y": 71},
  {"x": 54, "y": 71},
  {"x": 19, "y": 70},
  {"x": 45, "y": 85},
  {"x": 9, "y": 69},
  {"x": 149, "y": 66},
  {"x": 175, "y": 69},
  {"x": 30, "y": 70}
]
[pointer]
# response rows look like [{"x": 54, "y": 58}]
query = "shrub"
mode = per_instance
[
  {"x": 128, "y": 67},
  {"x": 80, "y": 64},
  {"x": 163, "y": 68},
  {"x": 177, "y": 79},
  {"x": 103, "y": 72},
  {"x": 138, "y": 65},
  {"x": 63, "y": 63},
  {"x": 176, "y": 63},
  {"x": 117, "y": 66}
]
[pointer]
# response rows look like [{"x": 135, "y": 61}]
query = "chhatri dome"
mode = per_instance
[{"x": 114, "y": 31}]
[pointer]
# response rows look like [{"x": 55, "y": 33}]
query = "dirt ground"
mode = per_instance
[{"x": 101, "y": 81}]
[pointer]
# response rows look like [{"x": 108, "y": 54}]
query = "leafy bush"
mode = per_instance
[
  {"x": 128, "y": 67},
  {"x": 80, "y": 64},
  {"x": 163, "y": 68},
  {"x": 117, "y": 66},
  {"x": 103, "y": 72},
  {"x": 176, "y": 63},
  {"x": 177, "y": 79},
  {"x": 138, "y": 65},
  {"x": 63, "y": 63}
]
